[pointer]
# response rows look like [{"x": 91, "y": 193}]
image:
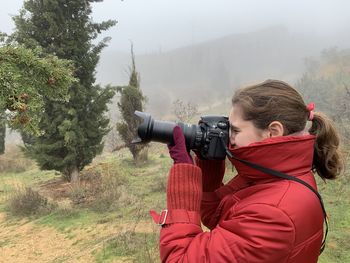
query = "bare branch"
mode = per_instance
[{"x": 184, "y": 112}]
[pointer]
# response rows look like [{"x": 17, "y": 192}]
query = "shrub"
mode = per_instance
[
  {"x": 78, "y": 194},
  {"x": 100, "y": 188},
  {"x": 108, "y": 195},
  {"x": 26, "y": 202}
]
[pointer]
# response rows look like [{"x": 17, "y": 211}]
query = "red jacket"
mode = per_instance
[{"x": 255, "y": 217}]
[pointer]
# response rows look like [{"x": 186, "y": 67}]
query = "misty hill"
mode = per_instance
[{"x": 210, "y": 71}]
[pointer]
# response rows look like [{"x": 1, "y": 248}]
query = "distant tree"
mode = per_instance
[
  {"x": 184, "y": 112},
  {"x": 73, "y": 130},
  {"x": 131, "y": 99}
]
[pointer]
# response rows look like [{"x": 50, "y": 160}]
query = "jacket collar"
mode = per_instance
[{"x": 292, "y": 155}]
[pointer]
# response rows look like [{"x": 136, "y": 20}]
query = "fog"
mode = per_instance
[
  {"x": 157, "y": 24},
  {"x": 166, "y": 24},
  {"x": 201, "y": 50}
]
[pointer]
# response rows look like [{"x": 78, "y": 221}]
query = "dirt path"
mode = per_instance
[{"x": 25, "y": 241}]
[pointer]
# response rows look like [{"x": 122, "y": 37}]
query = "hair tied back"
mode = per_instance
[{"x": 311, "y": 108}]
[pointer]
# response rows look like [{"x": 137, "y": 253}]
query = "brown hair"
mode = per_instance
[{"x": 274, "y": 100}]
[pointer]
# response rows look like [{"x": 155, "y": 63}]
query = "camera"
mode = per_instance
[{"x": 209, "y": 137}]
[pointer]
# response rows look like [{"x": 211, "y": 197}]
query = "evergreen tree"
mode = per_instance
[
  {"x": 72, "y": 131},
  {"x": 131, "y": 99},
  {"x": 24, "y": 83}
]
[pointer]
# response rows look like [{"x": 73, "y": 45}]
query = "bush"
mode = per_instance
[
  {"x": 100, "y": 188},
  {"x": 26, "y": 202},
  {"x": 108, "y": 195},
  {"x": 78, "y": 194}
]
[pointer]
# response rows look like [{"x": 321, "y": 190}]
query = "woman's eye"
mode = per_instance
[{"x": 234, "y": 129}]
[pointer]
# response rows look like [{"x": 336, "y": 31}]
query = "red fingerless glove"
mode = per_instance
[{"x": 178, "y": 151}]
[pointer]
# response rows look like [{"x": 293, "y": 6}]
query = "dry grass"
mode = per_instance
[
  {"x": 100, "y": 188},
  {"x": 14, "y": 161},
  {"x": 27, "y": 202}
]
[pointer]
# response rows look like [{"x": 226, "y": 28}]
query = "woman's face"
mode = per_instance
[{"x": 243, "y": 133}]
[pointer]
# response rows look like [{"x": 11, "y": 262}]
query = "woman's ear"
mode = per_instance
[{"x": 276, "y": 129}]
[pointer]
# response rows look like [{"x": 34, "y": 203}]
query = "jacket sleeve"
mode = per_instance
[
  {"x": 257, "y": 233},
  {"x": 211, "y": 209}
]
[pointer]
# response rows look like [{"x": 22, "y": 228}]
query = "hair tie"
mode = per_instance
[{"x": 311, "y": 108}]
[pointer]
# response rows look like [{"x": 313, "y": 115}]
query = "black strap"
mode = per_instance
[{"x": 287, "y": 177}]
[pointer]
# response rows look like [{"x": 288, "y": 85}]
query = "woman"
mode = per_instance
[{"x": 256, "y": 217}]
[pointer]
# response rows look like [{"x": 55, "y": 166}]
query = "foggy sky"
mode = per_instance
[{"x": 161, "y": 25}]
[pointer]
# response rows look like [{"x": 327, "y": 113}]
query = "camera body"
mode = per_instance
[
  {"x": 215, "y": 135},
  {"x": 209, "y": 137}
]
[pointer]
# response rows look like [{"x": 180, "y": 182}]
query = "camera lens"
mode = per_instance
[
  {"x": 162, "y": 131},
  {"x": 206, "y": 138}
]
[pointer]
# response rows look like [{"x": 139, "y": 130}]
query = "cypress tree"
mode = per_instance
[
  {"x": 131, "y": 99},
  {"x": 72, "y": 131}
]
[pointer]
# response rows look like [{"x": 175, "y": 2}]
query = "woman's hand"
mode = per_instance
[{"x": 178, "y": 151}]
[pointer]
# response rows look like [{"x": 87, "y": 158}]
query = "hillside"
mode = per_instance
[{"x": 209, "y": 71}]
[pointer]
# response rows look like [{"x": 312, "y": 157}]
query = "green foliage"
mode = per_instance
[
  {"x": 131, "y": 99},
  {"x": 72, "y": 130},
  {"x": 26, "y": 202},
  {"x": 26, "y": 79}
]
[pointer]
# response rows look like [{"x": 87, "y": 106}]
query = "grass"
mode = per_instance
[
  {"x": 27, "y": 202},
  {"x": 139, "y": 247},
  {"x": 31, "y": 178},
  {"x": 65, "y": 221},
  {"x": 336, "y": 197},
  {"x": 121, "y": 232}
]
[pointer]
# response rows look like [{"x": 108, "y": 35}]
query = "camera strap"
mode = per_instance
[{"x": 287, "y": 177}]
